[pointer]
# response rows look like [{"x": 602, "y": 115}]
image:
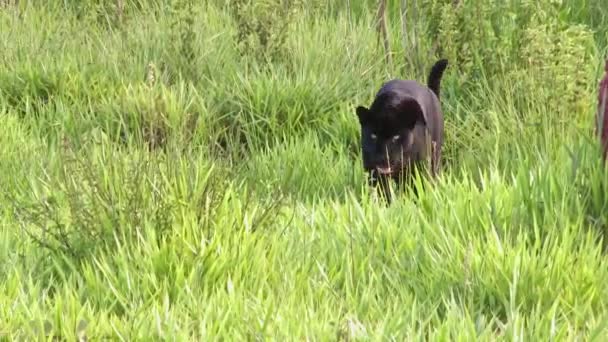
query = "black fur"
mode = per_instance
[
  {"x": 403, "y": 129},
  {"x": 435, "y": 75}
]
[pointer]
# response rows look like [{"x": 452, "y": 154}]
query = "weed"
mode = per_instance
[{"x": 263, "y": 27}]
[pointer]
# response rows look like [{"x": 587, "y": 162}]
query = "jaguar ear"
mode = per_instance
[{"x": 362, "y": 114}]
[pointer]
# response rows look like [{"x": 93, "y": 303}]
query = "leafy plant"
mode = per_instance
[{"x": 263, "y": 27}]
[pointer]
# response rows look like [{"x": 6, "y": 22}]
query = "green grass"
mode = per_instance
[{"x": 250, "y": 218}]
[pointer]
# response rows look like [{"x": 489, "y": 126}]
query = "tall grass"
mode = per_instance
[{"x": 157, "y": 183}]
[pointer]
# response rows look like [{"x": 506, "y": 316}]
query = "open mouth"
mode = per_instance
[{"x": 384, "y": 170}]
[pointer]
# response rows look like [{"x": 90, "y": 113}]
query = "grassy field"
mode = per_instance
[{"x": 161, "y": 178}]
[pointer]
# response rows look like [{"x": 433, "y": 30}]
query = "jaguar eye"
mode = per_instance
[
  {"x": 396, "y": 137},
  {"x": 374, "y": 136}
]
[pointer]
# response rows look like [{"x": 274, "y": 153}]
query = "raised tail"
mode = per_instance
[{"x": 434, "y": 80}]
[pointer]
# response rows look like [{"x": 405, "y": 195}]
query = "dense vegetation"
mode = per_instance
[{"x": 171, "y": 170}]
